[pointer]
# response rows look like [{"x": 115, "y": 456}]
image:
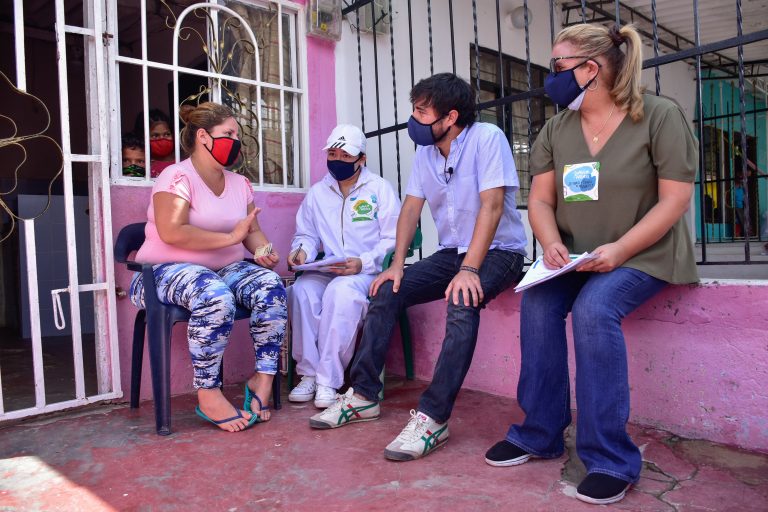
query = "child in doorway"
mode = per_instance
[
  {"x": 160, "y": 140},
  {"x": 133, "y": 156}
]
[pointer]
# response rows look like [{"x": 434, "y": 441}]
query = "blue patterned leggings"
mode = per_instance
[{"x": 212, "y": 298}]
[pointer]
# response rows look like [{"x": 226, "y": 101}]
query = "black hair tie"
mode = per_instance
[{"x": 616, "y": 36}]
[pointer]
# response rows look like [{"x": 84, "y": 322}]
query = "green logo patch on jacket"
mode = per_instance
[{"x": 362, "y": 210}]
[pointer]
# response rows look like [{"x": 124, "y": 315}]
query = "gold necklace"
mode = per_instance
[{"x": 595, "y": 137}]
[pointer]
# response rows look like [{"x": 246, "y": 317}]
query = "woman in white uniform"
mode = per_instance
[{"x": 350, "y": 213}]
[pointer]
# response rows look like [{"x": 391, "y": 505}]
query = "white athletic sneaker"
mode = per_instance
[
  {"x": 420, "y": 436},
  {"x": 346, "y": 409},
  {"x": 304, "y": 391},
  {"x": 325, "y": 396}
]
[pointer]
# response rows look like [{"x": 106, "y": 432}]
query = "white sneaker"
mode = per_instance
[
  {"x": 325, "y": 396},
  {"x": 346, "y": 409},
  {"x": 420, "y": 436},
  {"x": 304, "y": 391}
]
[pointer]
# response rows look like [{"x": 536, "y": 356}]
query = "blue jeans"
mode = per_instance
[
  {"x": 422, "y": 282},
  {"x": 598, "y": 302}
]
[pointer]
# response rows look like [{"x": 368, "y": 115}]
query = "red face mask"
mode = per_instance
[
  {"x": 224, "y": 150},
  {"x": 160, "y": 148}
]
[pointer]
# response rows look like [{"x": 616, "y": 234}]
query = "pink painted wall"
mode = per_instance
[
  {"x": 698, "y": 359},
  {"x": 129, "y": 204}
]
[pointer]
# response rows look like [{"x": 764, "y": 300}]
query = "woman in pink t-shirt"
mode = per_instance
[{"x": 200, "y": 222}]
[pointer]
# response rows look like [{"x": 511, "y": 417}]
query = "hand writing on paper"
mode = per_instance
[
  {"x": 297, "y": 257},
  {"x": 556, "y": 255}
]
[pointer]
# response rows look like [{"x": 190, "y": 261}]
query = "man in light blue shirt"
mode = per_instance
[{"x": 465, "y": 171}]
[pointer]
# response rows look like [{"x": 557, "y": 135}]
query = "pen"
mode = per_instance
[{"x": 296, "y": 253}]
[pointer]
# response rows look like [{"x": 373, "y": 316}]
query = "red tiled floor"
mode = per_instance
[{"x": 110, "y": 458}]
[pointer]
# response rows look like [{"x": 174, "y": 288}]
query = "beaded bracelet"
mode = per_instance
[{"x": 469, "y": 269}]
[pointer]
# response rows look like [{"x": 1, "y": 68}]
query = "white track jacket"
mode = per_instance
[{"x": 361, "y": 226}]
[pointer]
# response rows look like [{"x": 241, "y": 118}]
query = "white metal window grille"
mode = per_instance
[{"x": 244, "y": 54}]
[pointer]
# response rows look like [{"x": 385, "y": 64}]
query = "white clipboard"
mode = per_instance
[
  {"x": 320, "y": 264},
  {"x": 539, "y": 273}
]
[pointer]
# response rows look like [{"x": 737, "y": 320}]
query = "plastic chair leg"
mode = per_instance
[
  {"x": 291, "y": 362},
  {"x": 405, "y": 334},
  {"x": 137, "y": 355},
  {"x": 159, "y": 334},
  {"x": 276, "y": 402}
]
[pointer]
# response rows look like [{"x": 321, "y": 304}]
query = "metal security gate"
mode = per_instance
[
  {"x": 87, "y": 288},
  {"x": 503, "y": 47}
]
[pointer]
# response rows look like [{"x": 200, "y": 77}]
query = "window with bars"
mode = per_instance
[
  {"x": 722, "y": 173},
  {"x": 245, "y": 56},
  {"x": 513, "y": 117}
]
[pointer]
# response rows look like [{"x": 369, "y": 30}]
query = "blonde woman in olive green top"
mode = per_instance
[{"x": 613, "y": 175}]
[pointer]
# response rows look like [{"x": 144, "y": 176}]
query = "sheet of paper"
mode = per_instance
[
  {"x": 321, "y": 264},
  {"x": 538, "y": 272}
]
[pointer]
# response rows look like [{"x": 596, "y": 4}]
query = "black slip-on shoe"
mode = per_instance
[
  {"x": 601, "y": 489},
  {"x": 504, "y": 454}
]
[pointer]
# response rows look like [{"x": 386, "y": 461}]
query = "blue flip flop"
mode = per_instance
[
  {"x": 254, "y": 418},
  {"x": 250, "y": 395}
]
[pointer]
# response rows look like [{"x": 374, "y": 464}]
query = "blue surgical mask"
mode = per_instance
[
  {"x": 422, "y": 134},
  {"x": 342, "y": 170},
  {"x": 563, "y": 88}
]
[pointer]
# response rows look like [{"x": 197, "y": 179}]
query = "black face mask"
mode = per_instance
[{"x": 342, "y": 170}]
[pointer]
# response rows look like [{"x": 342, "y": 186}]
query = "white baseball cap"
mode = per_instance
[{"x": 348, "y": 137}]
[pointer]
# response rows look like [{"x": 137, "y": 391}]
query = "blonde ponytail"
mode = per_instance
[
  {"x": 624, "y": 70},
  {"x": 627, "y": 90}
]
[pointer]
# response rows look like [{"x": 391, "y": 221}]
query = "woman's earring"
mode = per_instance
[{"x": 594, "y": 82}]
